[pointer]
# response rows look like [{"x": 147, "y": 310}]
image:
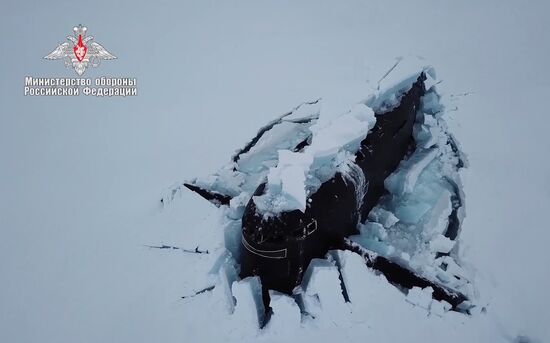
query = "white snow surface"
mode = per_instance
[{"x": 80, "y": 177}]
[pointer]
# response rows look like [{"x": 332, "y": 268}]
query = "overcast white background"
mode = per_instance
[{"x": 80, "y": 177}]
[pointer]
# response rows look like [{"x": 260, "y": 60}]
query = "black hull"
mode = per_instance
[{"x": 279, "y": 249}]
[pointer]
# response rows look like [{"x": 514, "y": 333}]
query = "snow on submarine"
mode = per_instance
[{"x": 381, "y": 180}]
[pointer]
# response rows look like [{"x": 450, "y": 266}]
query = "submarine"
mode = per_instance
[{"x": 278, "y": 245}]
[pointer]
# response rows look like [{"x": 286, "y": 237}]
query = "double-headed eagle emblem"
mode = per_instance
[{"x": 80, "y": 51}]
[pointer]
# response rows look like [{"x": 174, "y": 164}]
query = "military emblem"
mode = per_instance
[{"x": 80, "y": 51}]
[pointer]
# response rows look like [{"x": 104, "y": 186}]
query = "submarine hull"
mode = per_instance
[{"x": 279, "y": 249}]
